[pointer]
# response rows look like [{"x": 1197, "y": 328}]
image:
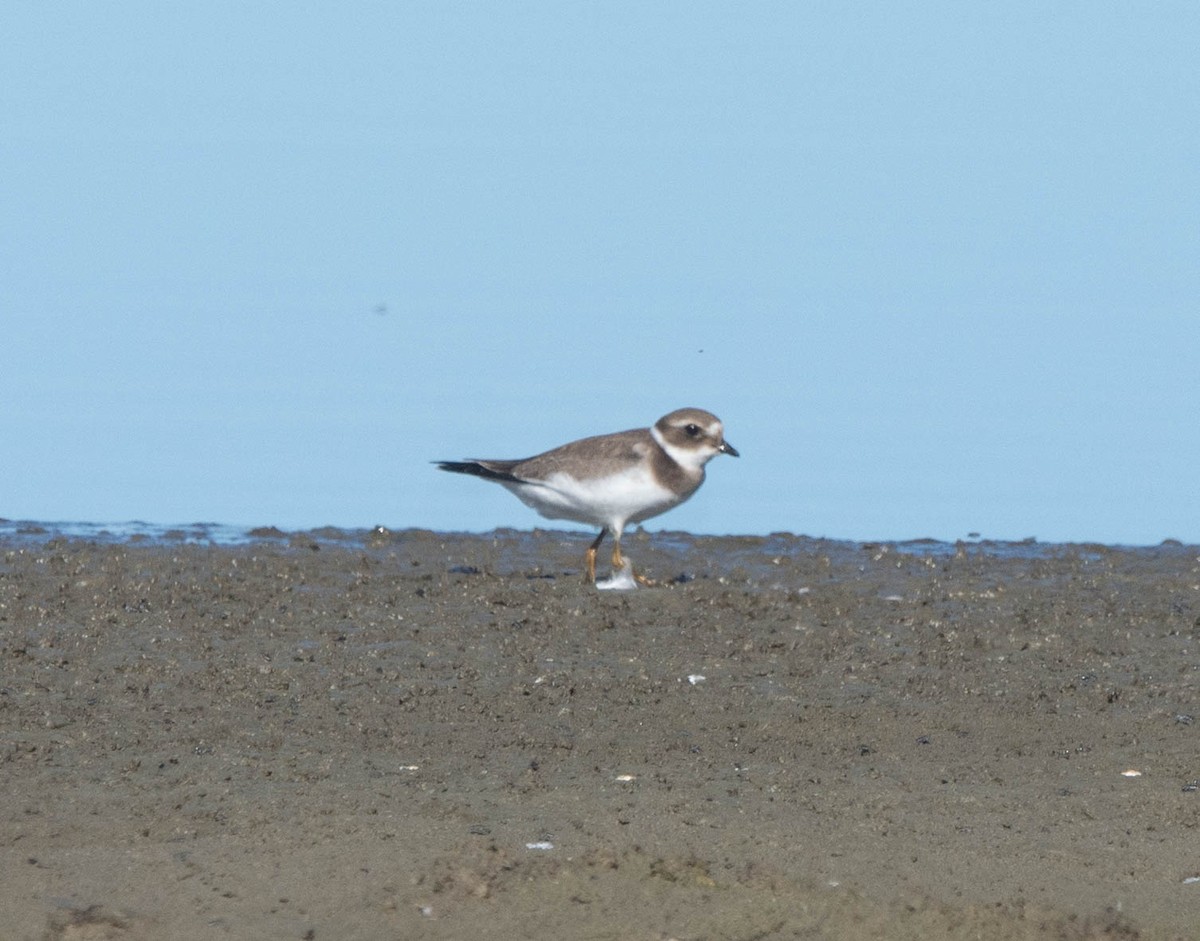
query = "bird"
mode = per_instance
[{"x": 612, "y": 480}]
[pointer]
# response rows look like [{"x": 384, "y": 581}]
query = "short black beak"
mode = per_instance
[{"x": 727, "y": 448}]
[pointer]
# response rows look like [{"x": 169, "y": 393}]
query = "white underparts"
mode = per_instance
[{"x": 630, "y": 496}]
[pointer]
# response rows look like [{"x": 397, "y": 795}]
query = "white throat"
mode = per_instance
[{"x": 692, "y": 459}]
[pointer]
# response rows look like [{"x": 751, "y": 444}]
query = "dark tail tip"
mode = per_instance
[{"x": 475, "y": 469}]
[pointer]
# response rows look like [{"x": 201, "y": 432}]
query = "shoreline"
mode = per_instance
[
  {"x": 21, "y": 531},
  {"x": 446, "y": 735}
]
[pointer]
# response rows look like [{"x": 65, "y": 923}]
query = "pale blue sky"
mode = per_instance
[{"x": 937, "y": 266}]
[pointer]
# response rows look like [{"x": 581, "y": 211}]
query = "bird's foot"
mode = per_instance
[{"x": 621, "y": 579}]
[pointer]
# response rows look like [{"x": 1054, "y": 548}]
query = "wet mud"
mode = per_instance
[{"x": 421, "y": 735}]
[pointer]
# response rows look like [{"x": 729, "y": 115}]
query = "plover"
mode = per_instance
[{"x": 612, "y": 480}]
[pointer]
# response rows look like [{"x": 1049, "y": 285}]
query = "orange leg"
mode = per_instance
[
  {"x": 618, "y": 562},
  {"x": 590, "y": 557}
]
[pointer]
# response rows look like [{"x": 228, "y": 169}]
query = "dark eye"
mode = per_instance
[{"x": 692, "y": 430}]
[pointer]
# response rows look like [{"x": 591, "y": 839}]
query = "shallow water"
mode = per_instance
[{"x": 522, "y": 542}]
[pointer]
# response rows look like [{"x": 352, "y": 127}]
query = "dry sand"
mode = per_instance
[{"x": 419, "y": 735}]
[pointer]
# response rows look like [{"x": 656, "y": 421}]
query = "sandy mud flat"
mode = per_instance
[{"x": 418, "y": 735}]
